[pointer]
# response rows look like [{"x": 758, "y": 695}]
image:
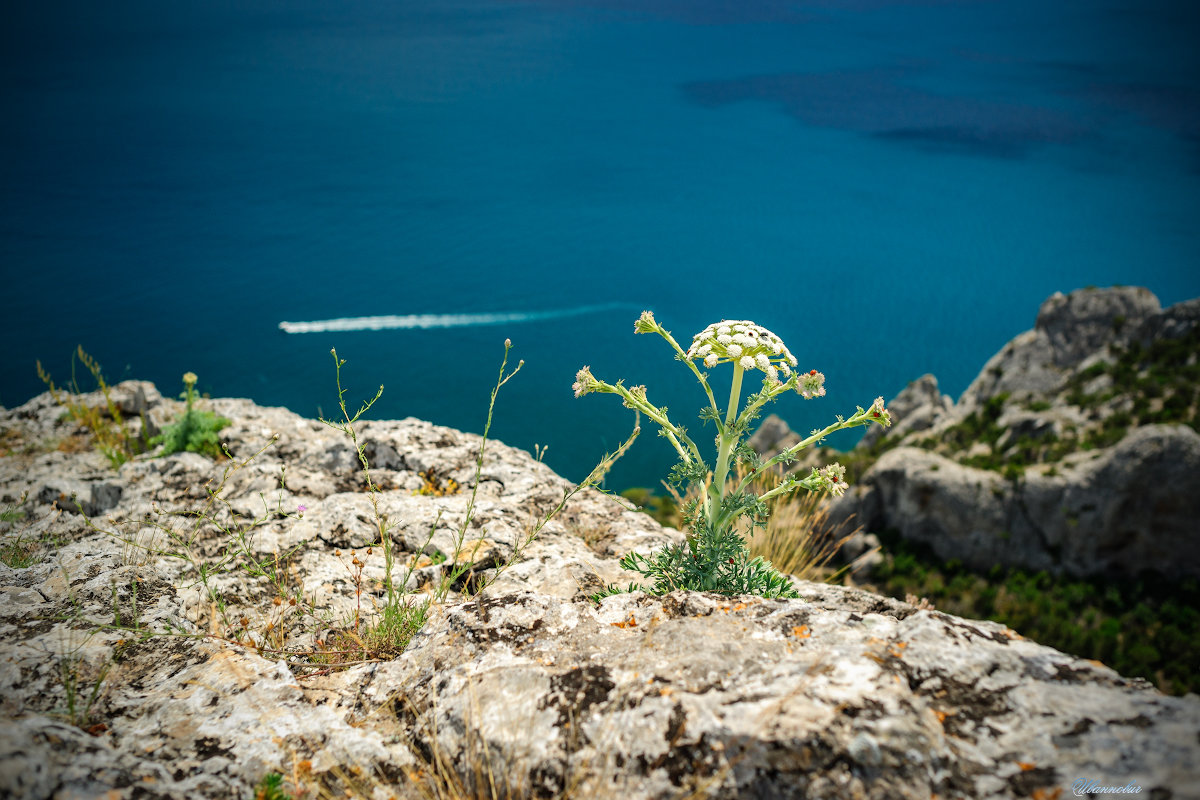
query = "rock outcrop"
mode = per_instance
[
  {"x": 122, "y": 676},
  {"x": 1075, "y": 450},
  {"x": 1132, "y": 508}
]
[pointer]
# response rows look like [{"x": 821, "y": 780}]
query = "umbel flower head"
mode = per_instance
[
  {"x": 744, "y": 343},
  {"x": 880, "y": 414},
  {"x": 585, "y": 382}
]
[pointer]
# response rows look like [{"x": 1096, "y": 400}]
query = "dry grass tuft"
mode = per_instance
[{"x": 798, "y": 539}]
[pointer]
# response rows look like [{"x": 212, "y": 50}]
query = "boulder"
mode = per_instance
[
  {"x": 1126, "y": 509},
  {"x": 1079, "y": 324},
  {"x": 772, "y": 436},
  {"x": 1040, "y": 463},
  {"x": 1069, "y": 329},
  {"x": 124, "y": 674}
]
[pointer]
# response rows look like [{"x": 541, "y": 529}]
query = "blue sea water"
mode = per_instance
[{"x": 892, "y": 187}]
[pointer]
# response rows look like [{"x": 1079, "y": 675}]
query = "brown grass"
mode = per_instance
[{"x": 798, "y": 539}]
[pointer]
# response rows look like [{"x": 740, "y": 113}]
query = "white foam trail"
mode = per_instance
[{"x": 410, "y": 321}]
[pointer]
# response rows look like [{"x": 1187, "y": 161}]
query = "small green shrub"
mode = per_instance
[
  {"x": 662, "y": 507},
  {"x": 271, "y": 788},
  {"x": 195, "y": 431},
  {"x": 715, "y": 557}
]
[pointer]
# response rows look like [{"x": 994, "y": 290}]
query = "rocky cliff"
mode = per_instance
[
  {"x": 121, "y": 678},
  {"x": 1075, "y": 450}
]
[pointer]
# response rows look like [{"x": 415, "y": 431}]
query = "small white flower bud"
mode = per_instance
[
  {"x": 584, "y": 382},
  {"x": 645, "y": 323}
]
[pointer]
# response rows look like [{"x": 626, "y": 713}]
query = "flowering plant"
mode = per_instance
[
  {"x": 715, "y": 557},
  {"x": 195, "y": 431}
]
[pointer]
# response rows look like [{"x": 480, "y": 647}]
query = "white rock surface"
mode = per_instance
[{"x": 839, "y": 694}]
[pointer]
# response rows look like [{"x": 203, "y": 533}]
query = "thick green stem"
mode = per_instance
[{"x": 716, "y": 492}]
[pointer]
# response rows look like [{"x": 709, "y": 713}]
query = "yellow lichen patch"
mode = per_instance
[
  {"x": 1025, "y": 766},
  {"x": 628, "y": 623},
  {"x": 434, "y": 484},
  {"x": 801, "y": 632}
]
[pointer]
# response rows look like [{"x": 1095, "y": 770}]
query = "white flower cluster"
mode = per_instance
[
  {"x": 833, "y": 478},
  {"x": 812, "y": 384},
  {"x": 744, "y": 343},
  {"x": 879, "y": 413},
  {"x": 584, "y": 382}
]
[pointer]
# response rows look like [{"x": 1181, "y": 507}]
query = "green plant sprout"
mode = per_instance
[
  {"x": 715, "y": 557},
  {"x": 195, "y": 431}
]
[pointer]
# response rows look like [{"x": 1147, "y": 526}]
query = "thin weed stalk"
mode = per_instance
[
  {"x": 400, "y": 617},
  {"x": 463, "y": 566},
  {"x": 112, "y": 436}
]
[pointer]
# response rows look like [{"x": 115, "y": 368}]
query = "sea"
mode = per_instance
[{"x": 892, "y": 187}]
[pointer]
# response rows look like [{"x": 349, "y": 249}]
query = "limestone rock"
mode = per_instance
[
  {"x": 840, "y": 694},
  {"x": 1039, "y": 464},
  {"x": 1079, "y": 324},
  {"x": 772, "y": 436},
  {"x": 1069, "y": 328},
  {"x": 126, "y": 672},
  {"x": 1131, "y": 508},
  {"x": 1173, "y": 323}
]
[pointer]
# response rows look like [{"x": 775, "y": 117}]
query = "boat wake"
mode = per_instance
[{"x": 411, "y": 321}]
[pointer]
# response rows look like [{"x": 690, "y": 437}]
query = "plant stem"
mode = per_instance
[
  {"x": 716, "y": 491},
  {"x": 860, "y": 418}
]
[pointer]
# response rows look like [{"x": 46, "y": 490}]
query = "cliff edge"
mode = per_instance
[
  {"x": 121, "y": 676},
  {"x": 1075, "y": 450}
]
